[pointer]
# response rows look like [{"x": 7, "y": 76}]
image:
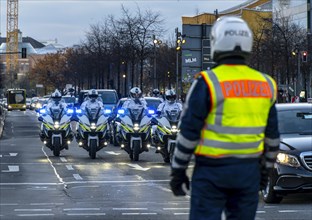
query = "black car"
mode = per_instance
[{"x": 293, "y": 167}]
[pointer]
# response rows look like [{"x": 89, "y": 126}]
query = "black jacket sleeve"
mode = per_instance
[{"x": 195, "y": 111}]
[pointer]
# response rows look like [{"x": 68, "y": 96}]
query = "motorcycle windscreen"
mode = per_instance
[
  {"x": 173, "y": 115},
  {"x": 56, "y": 113},
  {"x": 93, "y": 113},
  {"x": 136, "y": 113}
]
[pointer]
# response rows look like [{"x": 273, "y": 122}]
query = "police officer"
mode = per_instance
[
  {"x": 56, "y": 100},
  {"x": 93, "y": 100},
  {"x": 229, "y": 122}
]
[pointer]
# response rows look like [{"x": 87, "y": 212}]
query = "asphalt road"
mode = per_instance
[{"x": 36, "y": 185}]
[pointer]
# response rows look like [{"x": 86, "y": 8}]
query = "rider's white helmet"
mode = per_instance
[
  {"x": 135, "y": 93},
  {"x": 230, "y": 36},
  {"x": 170, "y": 96},
  {"x": 93, "y": 94},
  {"x": 56, "y": 95}
]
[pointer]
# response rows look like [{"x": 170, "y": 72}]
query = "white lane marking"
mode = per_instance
[
  {"x": 181, "y": 213},
  {"x": 32, "y": 210},
  {"x": 77, "y": 177},
  {"x": 30, "y": 215},
  {"x": 129, "y": 208},
  {"x": 82, "y": 209},
  {"x": 137, "y": 167},
  {"x": 11, "y": 169},
  {"x": 0, "y": 155},
  {"x": 82, "y": 214},
  {"x": 140, "y": 213},
  {"x": 288, "y": 211},
  {"x": 56, "y": 173},
  {"x": 112, "y": 153},
  {"x": 63, "y": 159},
  {"x": 34, "y": 184},
  {"x": 69, "y": 167},
  {"x": 176, "y": 208},
  {"x": 261, "y": 212},
  {"x": 47, "y": 203},
  {"x": 13, "y": 154}
]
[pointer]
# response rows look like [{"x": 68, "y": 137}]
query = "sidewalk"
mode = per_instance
[{"x": 2, "y": 118}]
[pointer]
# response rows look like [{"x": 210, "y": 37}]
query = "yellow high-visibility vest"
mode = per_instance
[{"x": 241, "y": 98}]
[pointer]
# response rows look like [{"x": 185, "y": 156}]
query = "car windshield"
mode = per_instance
[
  {"x": 108, "y": 97},
  {"x": 295, "y": 122},
  {"x": 153, "y": 103}
]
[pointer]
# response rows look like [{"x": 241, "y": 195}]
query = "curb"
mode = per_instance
[{"x": 2, "y": 119}]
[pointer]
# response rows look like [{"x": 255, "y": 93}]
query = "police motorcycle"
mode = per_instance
[
  {"x": 56, "y": 132},
  {"x": 133, "y": 130},
  {"x": 92, "y": 129},
  {"x": 165, "y": 134}
]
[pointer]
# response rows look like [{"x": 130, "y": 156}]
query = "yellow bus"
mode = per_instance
[{"x": 16, "y": 99}]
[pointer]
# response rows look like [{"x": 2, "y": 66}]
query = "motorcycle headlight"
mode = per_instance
[
  {"x": 174, "y": 128},
  {"x": 42, "y": 111},
  {"x": 56, "y": 125},
  {"x": 93, "y": 126},
  {"x": 288, "y": 160},
  {"x": 136, "y": 127}
]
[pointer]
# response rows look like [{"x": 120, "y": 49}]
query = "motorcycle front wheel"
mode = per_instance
[
  {"x": 92, "y": 151},
  {"x": 136, "y": 150},
  {"x": 57, "y": 147}
]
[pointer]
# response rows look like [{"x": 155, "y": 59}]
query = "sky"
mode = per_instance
[{"x": 68, "y": 21}]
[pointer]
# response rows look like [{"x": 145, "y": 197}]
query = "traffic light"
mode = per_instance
[
  {"x": 24, "y": 52},
  {"x": 304, "y": 56}
]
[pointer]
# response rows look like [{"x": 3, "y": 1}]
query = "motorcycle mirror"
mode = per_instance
[{"x": 40, "y": 118}]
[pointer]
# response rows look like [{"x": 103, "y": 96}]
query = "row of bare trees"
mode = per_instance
[{"x": 119, "y": 54}]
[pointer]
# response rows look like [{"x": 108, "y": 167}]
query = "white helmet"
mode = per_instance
[
  {"x": 135, "y": 93},
  {"x": 230, "y": 36},
  {"x": 56, "y": 95},
  {"x": 170, "y": 96},
  {"x": 93, "y": 94},
  {"x": 156, "y": 92}
]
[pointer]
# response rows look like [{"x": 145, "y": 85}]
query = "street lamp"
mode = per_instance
[
  {"x": 179, "y": 42},
  {"x": 155, "y": 42}
]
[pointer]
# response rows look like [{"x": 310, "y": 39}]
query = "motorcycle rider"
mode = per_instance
[
  {"x": 157, "y": 94},
  {"x": 169, "y": 104},
  {"x": 56, "y": 100},
  {"x": 93, "y": 100},
  {"x": 135, "y": 99}
]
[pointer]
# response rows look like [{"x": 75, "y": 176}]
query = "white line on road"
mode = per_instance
[
  {"x": 69, "y": 167},
  {"x": 82, "y": 214},
  {"x": 137, "y": 167},
  {"x": 82, "y": 209},
  {"x": 176, "y": 208},
  {"x": 29, "y": 215},
  {"x": 261, "y": 212},
  {"x": 77, "y": 177},
  {"x": 129, "y": 208},
  {"x": 32, "y": 210},
  {"x": 47, "y": 203},
  {"x": 56, "y": 173},
  {"x": 112, "y": 153},
  {"x": 140, "y": 213},
  {"x": 288, "y": 211},
  {"x": 181, "y": 213},
  {"x": 13, "y": 154},
  {"x": 11, "y": 169},
  {"x": 63, "y": 159}
]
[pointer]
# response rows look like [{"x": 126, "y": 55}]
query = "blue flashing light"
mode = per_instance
[
  {"x": 70, "y": 111},
  {"x": 78, "y": 111},
  {"x": 107, "y": 111},
  {"x": 121, "y": 111},
  {"x": 42, "y": 111},
  {"x": 151, "y": 111}
]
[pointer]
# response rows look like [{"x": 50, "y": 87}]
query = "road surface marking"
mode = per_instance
[
  {"x": 261, "y": 212},
  {"x": 176, "y": 208},
  {"x": 81, "y": 214},
  {"x": 11, "y": 169},
  {"x": 137, "y": 167},
  {"x": 29, "y": 215},
  {"x": 13, "y": 154},
  {"x": 112, "y": 153},
  {"x": 47, "y": 203},
  {"x": 56, "y": 173},
  {"x": 82, "y": 209},
  {"x": 129, "y": 208},
  {"x": 288, "y": 211},
  {"x": 181, "y": 213},
  {"x": 63, "y": 159},
  {"x": 140, "y": 213},
  {"x": 32, "y": 210},
  {"x": 69, "y": 167},
  {"x": 77, "y": 177}
]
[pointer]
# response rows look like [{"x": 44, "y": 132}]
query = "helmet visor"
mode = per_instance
[{"x": 171, "y": 97}]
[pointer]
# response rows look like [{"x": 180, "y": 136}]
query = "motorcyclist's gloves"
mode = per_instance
[{"x": 179, "y": 178}]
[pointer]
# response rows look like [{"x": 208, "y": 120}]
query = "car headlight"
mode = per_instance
[
  {"x": 288, "y": 160},
  {"x": 56, "y": 125},
  {"x": 93, "y": 126}
]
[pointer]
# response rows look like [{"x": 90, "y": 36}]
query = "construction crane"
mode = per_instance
[{"x": 12, "y": 37}]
